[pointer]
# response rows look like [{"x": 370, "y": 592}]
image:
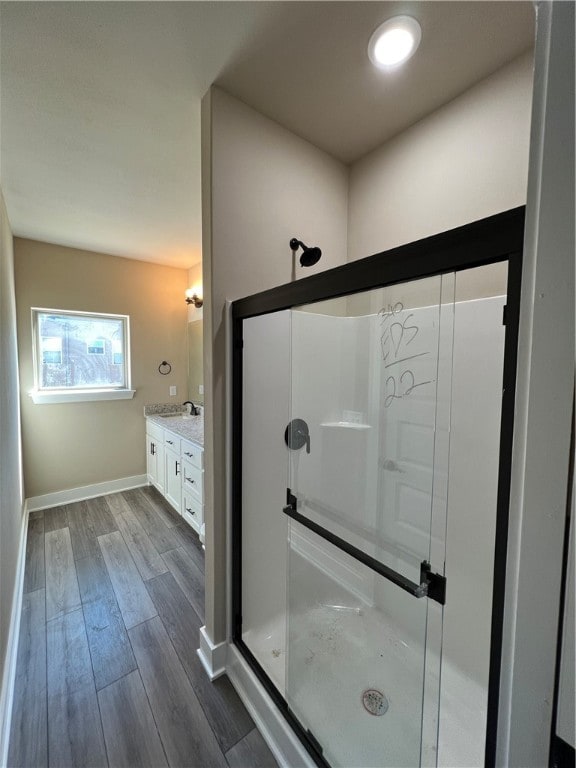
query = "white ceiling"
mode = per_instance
[{"x": 100, "y": 101}]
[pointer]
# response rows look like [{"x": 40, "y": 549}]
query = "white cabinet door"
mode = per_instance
[
  {"x": 155, "y": 461},
  {"x": 173, "y": 480},
  {"x": 151, "y": 459},
  {"x": 160, "y": 467}
]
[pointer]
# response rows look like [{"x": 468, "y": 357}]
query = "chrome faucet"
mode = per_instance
[{"x": 194, "y": 410}]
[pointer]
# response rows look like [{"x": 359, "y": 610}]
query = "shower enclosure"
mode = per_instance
[{"x": 373, "y": 410}]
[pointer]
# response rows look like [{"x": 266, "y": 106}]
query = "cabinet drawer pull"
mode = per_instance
[
  {"x": 177, "y": 465},
  {"x": 190, "y": 510},
  {"x": 152, "y": 449},
  {"x": 189, "y": 479},
  {"x": 170, "y": 442},
  {"x": 190, "y": 455}
]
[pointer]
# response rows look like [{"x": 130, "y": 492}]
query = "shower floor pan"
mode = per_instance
[{"x": 339, "y": 653}]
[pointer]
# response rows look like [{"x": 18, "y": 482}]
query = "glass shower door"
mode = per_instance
[{"x": 368, "y": 446}]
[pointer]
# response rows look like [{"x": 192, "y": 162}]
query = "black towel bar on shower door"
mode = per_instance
[{"x": 432, "y": 585}]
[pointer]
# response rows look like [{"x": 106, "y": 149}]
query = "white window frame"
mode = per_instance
[{"x": 42, "y": 395}]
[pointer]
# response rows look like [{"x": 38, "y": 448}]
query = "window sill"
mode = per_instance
[{"x": 81, "y": 396}]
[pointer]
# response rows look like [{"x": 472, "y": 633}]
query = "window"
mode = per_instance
[{"x": 80, "y": 356}]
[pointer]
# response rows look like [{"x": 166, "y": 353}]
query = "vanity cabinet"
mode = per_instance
[
  {"x": 155, "y": 459},
  {"x": 175, "y": 466}
]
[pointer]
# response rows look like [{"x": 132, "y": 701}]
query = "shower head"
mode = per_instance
[{"x": 309, "y": 256}]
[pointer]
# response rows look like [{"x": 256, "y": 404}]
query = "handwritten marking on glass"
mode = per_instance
[{"x": 396, "y": 336}]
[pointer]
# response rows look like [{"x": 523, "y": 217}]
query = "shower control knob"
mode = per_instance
[
  {"x": 297, "y": 435},
  {"x": 391, "y": 466}
]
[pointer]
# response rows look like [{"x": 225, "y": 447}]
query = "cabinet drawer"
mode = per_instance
[
  {"x": 192, "y": 478},
  {"x": 155, "y": 431},
  {"x": 192, "y": 511},
  {"x": 192, "y": 453},
  {"x": 172, "y": 441}
]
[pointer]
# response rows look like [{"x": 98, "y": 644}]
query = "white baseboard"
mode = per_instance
[
  {"x": 213, "y": 657},
  {"x": 9, "y": 676},
  {"x": 71, "y": 495},
  {"x": 281, "y": 739}
]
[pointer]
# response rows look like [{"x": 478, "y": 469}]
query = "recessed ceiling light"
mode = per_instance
[{"x": 394, "y": 42}]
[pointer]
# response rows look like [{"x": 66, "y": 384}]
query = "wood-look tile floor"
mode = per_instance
[{"x": 107, "y": 671}]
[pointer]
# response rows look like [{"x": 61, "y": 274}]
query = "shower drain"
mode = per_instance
[{"x": 375, "y": 702}]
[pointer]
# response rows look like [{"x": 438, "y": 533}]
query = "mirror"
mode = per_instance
[
  {"x": 195, "y": 363},
  {"x": 194, "y": 338}
]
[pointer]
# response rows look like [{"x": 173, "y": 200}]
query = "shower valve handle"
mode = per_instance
[{"x": 297, "y": 435}]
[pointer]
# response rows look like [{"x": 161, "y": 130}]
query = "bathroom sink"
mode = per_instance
[{"x": 175, "y": 416}]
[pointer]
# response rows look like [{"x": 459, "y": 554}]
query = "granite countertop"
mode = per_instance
[{"x": 171, "y": 417}]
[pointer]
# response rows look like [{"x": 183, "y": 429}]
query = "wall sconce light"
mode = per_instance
[{"x": 193, "y": 298}]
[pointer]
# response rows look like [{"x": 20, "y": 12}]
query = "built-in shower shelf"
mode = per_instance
[{"x": 346, "y": 425}]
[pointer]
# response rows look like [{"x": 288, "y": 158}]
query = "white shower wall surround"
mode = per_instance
[{"x": 322, "y": 379}]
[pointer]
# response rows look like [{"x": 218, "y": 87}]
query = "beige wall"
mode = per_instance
[
  {"x": 262, "y": 185},
  {"x": 466, "y": 161},
  {"x": 70, "y": 445},
  {"x": 11, "y": 499}
]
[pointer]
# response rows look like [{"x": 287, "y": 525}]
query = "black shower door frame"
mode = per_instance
[{"x": 498, "y": 238}]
